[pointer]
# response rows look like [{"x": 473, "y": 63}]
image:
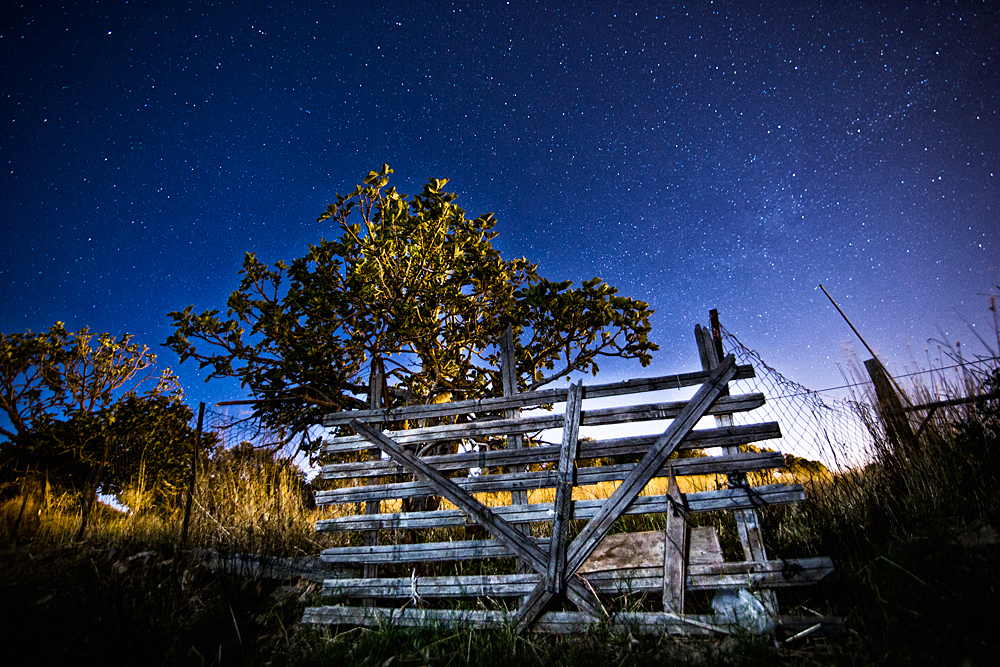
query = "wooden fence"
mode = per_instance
[{"x": 581, "y": 573}]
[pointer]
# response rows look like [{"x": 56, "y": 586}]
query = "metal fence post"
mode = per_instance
[{"x": 194, "y": 474}]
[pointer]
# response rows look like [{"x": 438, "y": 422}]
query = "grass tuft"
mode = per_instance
[{"x": 914, "y": 535}]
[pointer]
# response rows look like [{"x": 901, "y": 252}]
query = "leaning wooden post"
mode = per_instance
[
  {"x": 508, "y": 375},
  {"x": 747, "y": 521},
  {"x": 899, "y": 430},
  {"x": 194, "y": 474}
]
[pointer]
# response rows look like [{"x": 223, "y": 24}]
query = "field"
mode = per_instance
[{"x": 914, "y": 535}]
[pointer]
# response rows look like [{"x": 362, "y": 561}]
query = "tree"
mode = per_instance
[
  {"x": 152, "y": 442},
  {"x": 76, "y": 412},
  {"x": 410, "y": 287},
  {"x": 55, "y": 373}
]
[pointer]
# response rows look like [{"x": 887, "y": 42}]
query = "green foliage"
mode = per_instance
[
  {"x": 411, "y": 286},
  {"x": 76, "y": 412},
  {"x": 152, "y": 444},
  {"x": 57, "y": 373}
]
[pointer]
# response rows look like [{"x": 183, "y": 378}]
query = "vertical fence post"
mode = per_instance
[
  {"x": 24, "y": 503},
  {"x": 508, "y": 374},
  {"x": 375, "y": 381},
  {"x": 675, "y": 551},
  {"x": 899, "y": 430},
  {"x": 747, "y": 521},
  {"x": 194, "y": 475}
]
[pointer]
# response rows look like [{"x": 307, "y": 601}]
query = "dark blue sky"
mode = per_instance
[{"x": 726, "y": 155}]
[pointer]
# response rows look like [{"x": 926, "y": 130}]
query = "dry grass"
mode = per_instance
[
  {"x": 913, "y": 535},
  {"x": 246, "y": 506}
]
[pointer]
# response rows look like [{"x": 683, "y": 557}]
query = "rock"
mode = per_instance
[{"x": 978, "y": 535}]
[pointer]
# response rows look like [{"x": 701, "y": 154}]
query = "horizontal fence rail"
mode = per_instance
[
  {"x": 498, "y": 427},
  {"x": 533, "y": 481},
  {"x": 698, "y": 439},
  {"x": 480, "y": 510},
  {"x": 559, "y": 622},
  {"x": 722, "y": 500},
  {"x": 770, "y": 574},
  {"x": 532, "y": 399}
]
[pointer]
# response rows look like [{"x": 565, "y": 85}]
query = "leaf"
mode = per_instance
[{"x": 411, "y": 281}]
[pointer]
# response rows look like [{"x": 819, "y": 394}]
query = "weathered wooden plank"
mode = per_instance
[
  {"x": 531, "y": 399},
  {"x": 429, "y": 551},
  {"x": 626, "y": 551},
  {"x": 648, "y": 467},
  {"x": 759, "y": 574},
  {"x": 674, "y": 551},
  {"x": 734, "y": 499},
  {"x": 704, "y": 547},
  {"x": 632, "y": 486},
  {"x": 702, "y": 501},
  {"x": 501, "y": 427},
  {"x": 374, "y": 617},
  {"x": 654, "y": 411},
  {"x": 509, "y": 378},
  {"x": 696, "y": 439},
  {"x": 587, "y": 449},
  {"x": 748, "y": 528},
  {"x": 641, "y": 385},
  {"x": 771, "y": 574},
  {"x": 553, "y": 622},
  {"x": 707, "y": 465},
  {"x": 563, "y": 505},
  {"x": 466, "y": 586},
  {"x": 526, "y": 549},
  {"x": 742, "y": 462},
  {"x": 626, "y": 581}
]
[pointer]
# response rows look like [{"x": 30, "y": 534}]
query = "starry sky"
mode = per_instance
[{"x": 706, "y": 155}]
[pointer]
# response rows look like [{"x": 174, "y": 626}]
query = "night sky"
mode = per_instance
[{"x": 726, "y": 155}]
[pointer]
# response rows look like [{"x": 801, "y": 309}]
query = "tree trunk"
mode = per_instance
[{"x": 90, "y": 495}]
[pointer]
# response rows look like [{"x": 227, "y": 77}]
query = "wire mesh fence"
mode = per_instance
[
  {"x": 816, "y": 426},
  {"x": 243, "y": 429},
  {"x": 839, "y": 432}
]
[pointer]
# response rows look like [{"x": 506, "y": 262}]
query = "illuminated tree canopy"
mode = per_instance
[{"x": 411, "y": 286}]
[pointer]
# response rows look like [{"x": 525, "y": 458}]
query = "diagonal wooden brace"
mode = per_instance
[
  {"x": 631, "y": 487},
  {"x": 532, "y": 554}
]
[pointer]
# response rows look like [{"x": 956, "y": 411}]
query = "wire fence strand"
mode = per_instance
[{"x": 814, "y": 425}]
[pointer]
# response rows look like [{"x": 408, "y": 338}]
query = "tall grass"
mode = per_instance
[
  {"x": 246, "y": 503},
  {"x": 914, "y": 535},
  {"x": 242, "y": 503}
]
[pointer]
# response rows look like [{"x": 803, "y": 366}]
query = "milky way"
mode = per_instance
[{"x": 707, "y": 156}]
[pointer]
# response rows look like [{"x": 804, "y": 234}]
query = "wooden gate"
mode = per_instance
[{"x": 581, "y": 570}]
